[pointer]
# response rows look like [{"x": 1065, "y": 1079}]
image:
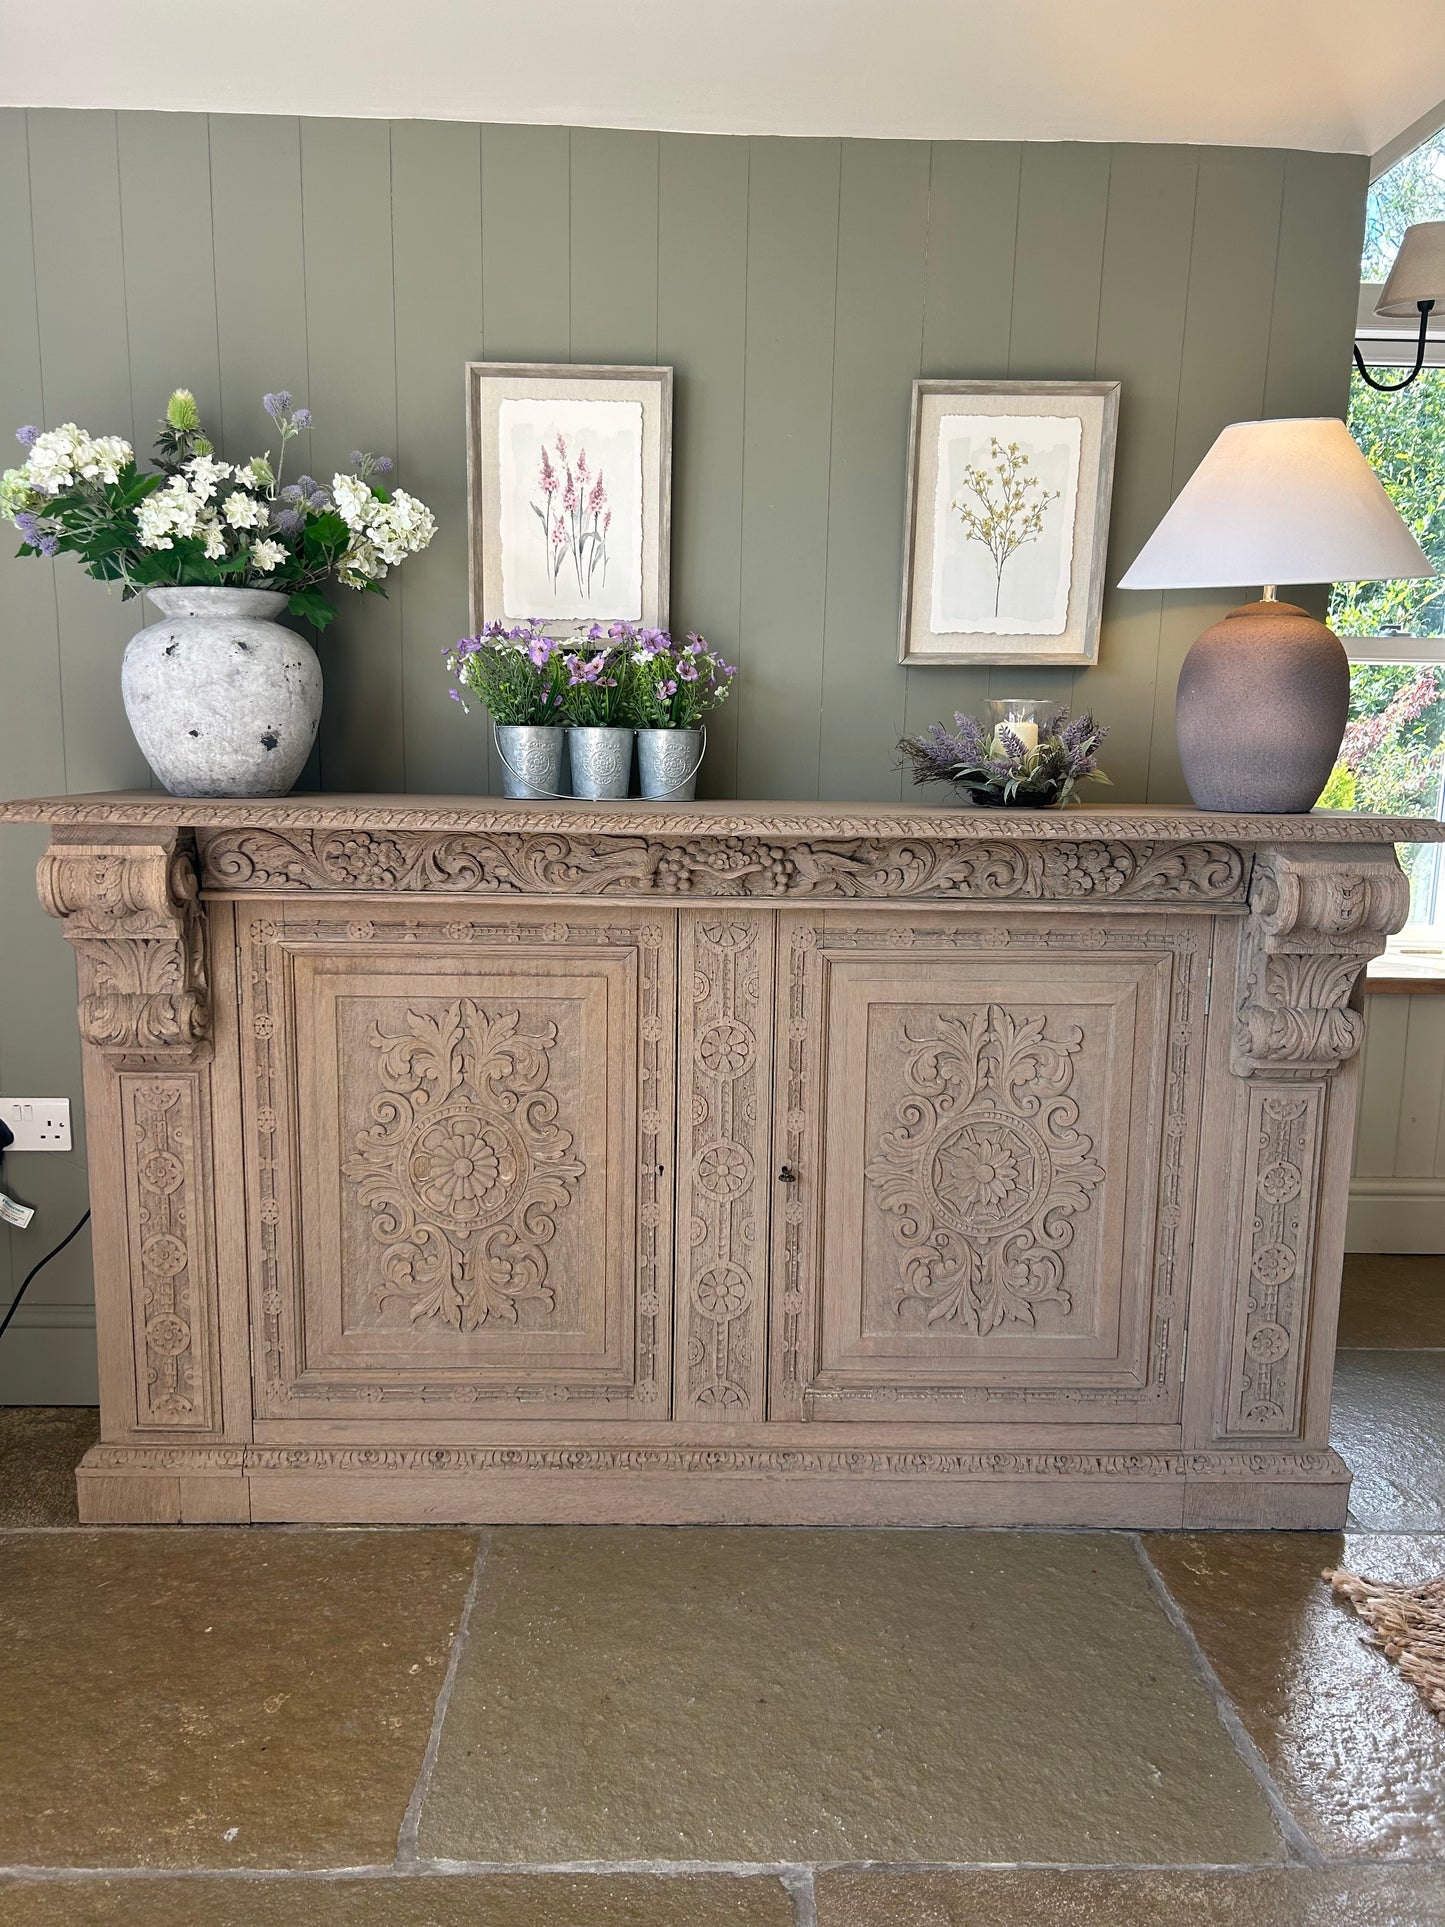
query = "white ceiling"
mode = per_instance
[{"x": 1323, "y": 74}]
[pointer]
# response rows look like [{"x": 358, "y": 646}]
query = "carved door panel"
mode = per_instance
[
  {"x": 460, "y": 1163},
  {"x": 994, "y": 1133}
]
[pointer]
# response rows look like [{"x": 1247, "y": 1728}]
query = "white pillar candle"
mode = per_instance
[{"x": 1027, "y": 733}]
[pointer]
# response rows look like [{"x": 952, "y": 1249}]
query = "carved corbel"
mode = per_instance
[
  {"x": 127, "y": 901},
  {"x": 1316, "y": 919}
]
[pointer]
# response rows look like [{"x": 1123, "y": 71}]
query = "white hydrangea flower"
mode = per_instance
[
  {"x": 171, "y": 511},
  {"x": 387, "y": 532},
  {"x": 354, "y": 500},
  {"x": 244, "y": 511},
  {"x": 360, "y": 565},
  {"x": 205, "y": 473},
  {"x": 267, "y": 557},
  {"x": 66, "y": 455}
]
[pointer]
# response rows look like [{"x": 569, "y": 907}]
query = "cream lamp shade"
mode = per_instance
[
  {"x": 1418, "y": 274},
  {"x": 1279, "y": 501}
]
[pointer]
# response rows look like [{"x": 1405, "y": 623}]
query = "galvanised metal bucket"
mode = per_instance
[
  {"x": 669, "y": 760},
  {"x": 601, "y": 762},
  {"x": 531, "y": 756}
]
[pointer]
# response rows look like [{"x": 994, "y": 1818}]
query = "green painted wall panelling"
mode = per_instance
[{"x": 796, "y": 286}]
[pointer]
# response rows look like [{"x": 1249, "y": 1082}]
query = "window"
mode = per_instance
[{"x": 1393, "y": 756}]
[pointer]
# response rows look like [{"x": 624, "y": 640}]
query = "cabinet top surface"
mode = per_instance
[{"x": 124, "y": 809}]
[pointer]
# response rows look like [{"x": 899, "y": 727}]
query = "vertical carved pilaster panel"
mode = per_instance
[
  {"x": 725, "y": 1170},
  {"x": 795, "y": 1145},
  {"x": 172, "y": 1262},
  {"x": 1276, "y": 1259}
]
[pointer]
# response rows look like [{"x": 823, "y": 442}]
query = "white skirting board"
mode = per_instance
[{"x": 1396, "y": 1214}]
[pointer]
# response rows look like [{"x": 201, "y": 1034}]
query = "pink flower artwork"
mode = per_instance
[{"x": 577, "y": 532}]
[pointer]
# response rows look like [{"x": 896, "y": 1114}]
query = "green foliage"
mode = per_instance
[
  {"x": 1413, "y": 190},
  {"x": 1342, "y": 790},
  {"x": 1403, "y": 438}
]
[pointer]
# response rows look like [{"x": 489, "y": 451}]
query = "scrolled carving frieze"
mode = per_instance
[
  {"x": 578, "y": 863},
  {"x": 128, "y": 904},
  {"x": 1316, "y": 919}
]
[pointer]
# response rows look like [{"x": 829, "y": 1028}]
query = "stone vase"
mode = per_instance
[
  {"x": 531, "y": 758},
  {"x": 1263, "y": 700},
  {"x": 601, "y": 762},
  {"x": 668, "y": 762},
  {"x": 222, "y": 700}
]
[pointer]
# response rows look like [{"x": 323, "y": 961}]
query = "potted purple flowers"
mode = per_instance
[
  {"x": 594, "y": 689},
  {"x": 669, "y": 687},
  {"x": 520, "y": 675},
  {"x": 599, "y": 737},
  {"x": 1027, "y": 756}
]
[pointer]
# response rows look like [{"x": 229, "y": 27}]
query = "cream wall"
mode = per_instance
[{"x": 1397, "y": 1197}]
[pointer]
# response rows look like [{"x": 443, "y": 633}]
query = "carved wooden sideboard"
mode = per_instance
[{"x": 458, "y": 1159}]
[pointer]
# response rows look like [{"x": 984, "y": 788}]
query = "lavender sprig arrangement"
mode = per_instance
[
  {"x": 667, "y": 684},
  {"x": 996, "y": 770},
  {"x": 518, "y": 673}
]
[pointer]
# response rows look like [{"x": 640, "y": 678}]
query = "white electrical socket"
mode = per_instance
[{"x": 39, "y": 1123}]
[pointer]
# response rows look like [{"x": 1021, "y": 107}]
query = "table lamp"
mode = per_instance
[{"x": 1264, "y": 695}]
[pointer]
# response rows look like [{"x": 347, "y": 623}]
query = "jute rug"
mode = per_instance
[{"x": 1408, "y": 1624}]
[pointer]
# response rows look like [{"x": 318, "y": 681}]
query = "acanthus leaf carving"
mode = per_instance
[
  {"x": 1317, "y": 917},
  {"x": 128, "y": 905},
  {"x": 464, "y": 1167},
  {"x": 985, "y": 1169}
]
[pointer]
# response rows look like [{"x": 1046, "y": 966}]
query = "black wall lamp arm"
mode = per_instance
[{"x": 1391, "y": 387}]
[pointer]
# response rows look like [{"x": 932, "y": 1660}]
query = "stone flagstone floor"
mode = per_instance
[{"x": 607, "y": 1727}]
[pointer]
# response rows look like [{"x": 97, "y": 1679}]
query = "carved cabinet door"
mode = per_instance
[
  {"x": 988, "y": 1139},
  {"x": 459, "y": 1162}
]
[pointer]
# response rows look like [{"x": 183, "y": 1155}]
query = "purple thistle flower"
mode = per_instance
[
  {"x": 48, "y": 544},
  {"x": 29, "y": 527},
  {"x": 27, "y": 436},
  {"x": 288, "y": 520},
  {"x": 278, "y": 404},
  {"x": 302, "y": 418},
  {"x": 356, "y": 458},
  {"x": 383, "y": 465}
]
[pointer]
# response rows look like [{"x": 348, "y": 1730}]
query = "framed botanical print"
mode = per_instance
[
  {"x": 1007, "y": 520},
  {"x": 569, "y": 483}
]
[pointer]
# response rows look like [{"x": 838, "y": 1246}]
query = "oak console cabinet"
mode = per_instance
[{"x": 454, "y": 1159}]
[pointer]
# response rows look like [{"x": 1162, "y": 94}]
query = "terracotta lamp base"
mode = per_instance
[{"x": 1262, "y": 705}]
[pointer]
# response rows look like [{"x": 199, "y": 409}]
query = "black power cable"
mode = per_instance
[{"x": 34, "y": 1270}]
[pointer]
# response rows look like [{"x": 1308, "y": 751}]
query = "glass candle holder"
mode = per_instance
[{"x": 1026, "y": 719}]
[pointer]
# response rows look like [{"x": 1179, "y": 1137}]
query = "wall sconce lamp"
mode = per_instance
[{"x": 1417, "y": 282}]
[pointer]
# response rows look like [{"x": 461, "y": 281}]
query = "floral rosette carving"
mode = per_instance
[
  {"x": 465, "y": 1168},
  {"x": 986, "y": 1170}
]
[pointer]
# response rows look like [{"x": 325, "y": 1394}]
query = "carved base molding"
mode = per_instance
[{"x": 710, "y": 1485}]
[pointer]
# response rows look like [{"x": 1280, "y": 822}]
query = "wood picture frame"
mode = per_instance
[
  {"x": 982, "y": 476},
  {"x": 553, "y": 537}
]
